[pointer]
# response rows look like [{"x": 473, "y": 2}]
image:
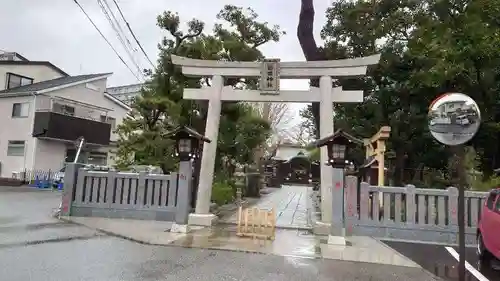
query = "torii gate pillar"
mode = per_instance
[
  {"x": 202, "y": 214},
  {"x": 326, "y": 129},
  {"x": 269, "y": 71}
]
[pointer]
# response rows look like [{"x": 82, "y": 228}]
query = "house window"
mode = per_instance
[
  {"x": 15, "y": 148},
  {"x": 63, "y": 109},
  {"x": 14, "y": 80},
  {"x": 109, "y": 120},
  {"x": 20, "y": 110}
]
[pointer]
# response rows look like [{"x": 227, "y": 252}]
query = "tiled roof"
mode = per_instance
[
  {"x": 28, "y": 62},
  {"x": 43, "y": 85}
]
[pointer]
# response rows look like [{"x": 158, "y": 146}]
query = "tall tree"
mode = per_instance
[
  {"x": 160, "y": 106},
  {"x": 458, "y": 50},
  {"x": 361, "y": 28},
  {"x": 428, "y": 47},
  {"x": 305, "y": 34}
]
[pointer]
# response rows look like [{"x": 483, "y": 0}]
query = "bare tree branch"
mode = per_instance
[
  {"x": 298, "y": 135},
  {"x": 279, "y": 117}
]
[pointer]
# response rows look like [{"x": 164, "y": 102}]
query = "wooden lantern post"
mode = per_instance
[{"x": 375, "y": 150}]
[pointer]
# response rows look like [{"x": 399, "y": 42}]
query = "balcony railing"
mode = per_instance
[
  {"x": 73, "y": 108},
  {"x": 65, "y": 119}
]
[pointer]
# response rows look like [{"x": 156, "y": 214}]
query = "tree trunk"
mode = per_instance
[{"x": 305, "y": 34}]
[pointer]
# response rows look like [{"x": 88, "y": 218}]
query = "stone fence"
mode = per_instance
[
  {"x": 124, "y": 195},
  {"x": 409, "y": 213}
]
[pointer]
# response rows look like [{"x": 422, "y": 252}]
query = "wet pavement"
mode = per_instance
[
  {"x": 35, "y": 246},
  {"x": 31, "y": 248},
  {"x": 296, "y": 243},
  {"x": 113, "y": 259},
  {"x": 25, "y": 218},
  {"x": 291, "y": 206},
  {"x": 437, "y": 260},
  {"x": 288, "y": 242}
]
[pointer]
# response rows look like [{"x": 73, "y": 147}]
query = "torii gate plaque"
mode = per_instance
[{"x": 270, "y": 72}]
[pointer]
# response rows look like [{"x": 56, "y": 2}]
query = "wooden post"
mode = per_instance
[
  {"x": 256, "y": 223},
  {"x": 375, "y": 147}
]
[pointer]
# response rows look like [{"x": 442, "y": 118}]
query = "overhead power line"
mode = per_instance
[
  {"x": 115, "y": 25},
  {"x": 107, "y": 41},
  {"x": 118, "y": 25},
  {"x": 133, "y": 34}
]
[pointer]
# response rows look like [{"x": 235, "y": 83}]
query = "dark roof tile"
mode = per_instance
[
  {"x": 28, "y": 62},
  {"x": 51, "y": 83}
]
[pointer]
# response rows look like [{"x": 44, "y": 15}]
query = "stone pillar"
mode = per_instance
[
  {"x": 70, "y": 178},
  {"x": 202, "y": 215},
  {"x": 452, "y": 214},
  {"x": 183, "y": 197},
  {"x": 337, "y": 228},
  {"x": 326, "y": 129},
  {"x": 239, "y": 175}
]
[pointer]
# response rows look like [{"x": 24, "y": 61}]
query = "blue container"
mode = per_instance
[
  {"x": 46, "y": 183},
  {"x": 38, "y": 182},
  {"x": 34, "y": 183}
]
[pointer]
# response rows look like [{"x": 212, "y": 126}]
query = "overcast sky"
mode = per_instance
[{"x": 57, "y": 31}]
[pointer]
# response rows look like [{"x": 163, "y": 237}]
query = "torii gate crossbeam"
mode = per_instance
[{"x": 325, "y": 94}]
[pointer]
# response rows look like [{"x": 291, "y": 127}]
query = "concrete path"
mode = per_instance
[
  {"x": 288, "y": 242},
  {"x": 291, "y": 206}
]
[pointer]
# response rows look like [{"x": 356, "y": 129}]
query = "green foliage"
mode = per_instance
[
  {"x": 160, "y": 106},
  {"x": 308, "y": 121},
  {"x": 428, "y": 47},
  {"x": 492, "y": 182},
  {"x": 240, "y": 132},
  {"x": 314, "y": 154},
  {"x": 222, "y": 192}
]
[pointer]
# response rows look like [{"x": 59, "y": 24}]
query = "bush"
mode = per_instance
[
  {"x": 491, "y": 183},
  {"x": 222, "y": 193}
]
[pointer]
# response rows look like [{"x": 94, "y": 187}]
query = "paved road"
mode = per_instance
[
  {"x": 454, "y": 128},
  {"x": 112, "y": 259},
  {"x": 25, "y": 218},
  {"x": 26, "y": 205},
  {"x": 290, "y": 204},
  {"x": 437, "y": 260},
  {"x": 36, "y": 247}
]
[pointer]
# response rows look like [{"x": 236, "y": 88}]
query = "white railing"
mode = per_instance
[{"x": 72, "y": 108}]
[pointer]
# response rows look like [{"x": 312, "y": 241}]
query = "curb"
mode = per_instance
[
  {"x": 381, "y": 243},
  {"x": 54, "y": 240},
  {"x": 110, "y": 233},
  {"x": 424, "y": 242},
  {"x": 171, "y": 244}
]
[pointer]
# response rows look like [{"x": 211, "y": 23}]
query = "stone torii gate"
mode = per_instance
[{"x": 270, "y": 72}]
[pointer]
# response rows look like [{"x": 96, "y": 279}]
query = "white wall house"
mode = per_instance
[
  {"x": 287, "y": 151},
  {"x": 43, "y": 110},
  {"x": 125, "y": 93}
]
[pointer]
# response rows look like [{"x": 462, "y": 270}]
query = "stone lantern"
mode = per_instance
[
  {"x": 338, "y": 145},
  {"x": 187, "y": 144}
]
